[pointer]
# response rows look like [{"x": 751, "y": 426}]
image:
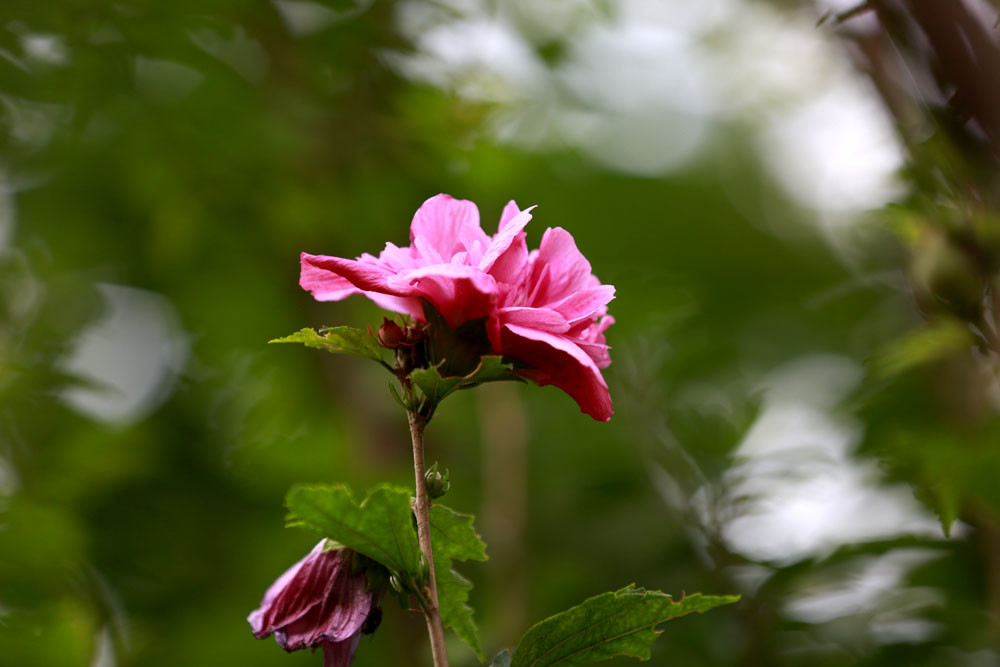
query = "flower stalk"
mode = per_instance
[{"x": 421, "y": 508}]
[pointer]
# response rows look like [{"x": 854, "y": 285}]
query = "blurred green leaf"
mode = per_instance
[
  {"x": 454, "y": 537},
  {"x": 339, "y": 340},
  {"x": 937, "y": 341},
  {"x": 604, "y": 626}
]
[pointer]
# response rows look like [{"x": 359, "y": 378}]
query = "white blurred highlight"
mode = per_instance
[
  {"x": 795, "y": 491},
  {"x": 132, "y": 356},
  {"x": 640, "y": 86}
]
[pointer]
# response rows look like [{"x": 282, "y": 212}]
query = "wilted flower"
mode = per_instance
[
  {"x": 319, "y": 602},
  {"x": 545, "y": 310}
]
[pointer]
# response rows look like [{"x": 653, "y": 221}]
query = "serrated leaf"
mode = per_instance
[
  {"x": 932, "y": 343},
  {"x": 615, "y": 623},
  {"x": 339, "y": 340},
  {"x": 454, "y": 537},
  {"x": 381, "y": 527},
  {"x": 435, "y": 387}
]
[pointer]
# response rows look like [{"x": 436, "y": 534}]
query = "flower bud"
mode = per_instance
[
  {"x": 390, "y": 334},
  {"x": 438, "y": 482}
]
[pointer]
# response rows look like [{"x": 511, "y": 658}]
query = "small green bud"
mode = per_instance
[
  {"x": 423, "y": 573},
  {"x": 438, "y": 482}
]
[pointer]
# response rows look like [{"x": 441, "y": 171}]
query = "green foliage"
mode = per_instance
[
  {"x": 382, "y": 528},
  {"x": 339, "y": 340},
  {"x": 295, "y": 142},
  {"x": 454, "y": 537},
  {"x": 614, "y": 623},
  {"x": 938, "y": 340},
  {"x": 435, "y": 387}
]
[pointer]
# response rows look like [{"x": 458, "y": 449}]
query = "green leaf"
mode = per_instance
[
  {"x": 615, "y": 623},
  {"x": 938, "y": 340},
  {"x": 339, "y": 340},
  {"x": 381, "y": 527},
  {"x": 436, "y": 387},
  {"x": 453, "y": 537}
]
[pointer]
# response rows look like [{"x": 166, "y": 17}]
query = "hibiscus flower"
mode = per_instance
[{"x": 545, "y": 310}]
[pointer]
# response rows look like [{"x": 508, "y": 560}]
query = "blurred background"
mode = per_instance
[{"x": 797, "y": 203}]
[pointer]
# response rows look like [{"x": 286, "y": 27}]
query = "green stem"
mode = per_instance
[{"x": 421, "y": 508}]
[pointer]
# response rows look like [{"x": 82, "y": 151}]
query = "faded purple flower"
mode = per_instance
[{"x": 318, "y": 602}]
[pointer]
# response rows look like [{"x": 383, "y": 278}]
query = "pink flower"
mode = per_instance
[
  {"x": 554, "y": 321},
  {"x": 545, "y": 309},
  {"x": 318, "y": 602}
]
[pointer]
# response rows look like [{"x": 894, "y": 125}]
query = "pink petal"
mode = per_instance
[
  {"x": 460, "y": 293},
  {"x": 364, "y": 274},
  {"x": 569, "y": 270},
  {"x": 598, "y": 352},
  {"x": 543, "y": 319},
  {"x": 509, "y": 231},
  {"x": 584, "y": 303},
  {"x": 511, "y": 267},
  {"x": 448, "y": 225},
  {"x": 324, "y": 284},
  {"x": 510, "y": 211},
  {"x": 558, "y": 361},
  {"x": 398, "y": 304}
]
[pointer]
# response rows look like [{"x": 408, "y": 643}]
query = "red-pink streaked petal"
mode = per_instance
[
  {"x": 544, "y": 319},
  {"x": 447, "y": 223},
  {"x": 340, "y": 654},
  {"x": 558, "y": 361},
  {"x": 504, "y": 238},
  {"x": 303, "y": 586},
  {"x": 338, "y": 617}
]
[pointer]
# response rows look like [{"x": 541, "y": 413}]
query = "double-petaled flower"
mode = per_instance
[
  {"x": 544, "y": 309},
  {"x": 320, "y": 602}
]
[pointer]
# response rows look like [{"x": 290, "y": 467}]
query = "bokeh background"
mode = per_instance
[{"x": 788, "y": 426}]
